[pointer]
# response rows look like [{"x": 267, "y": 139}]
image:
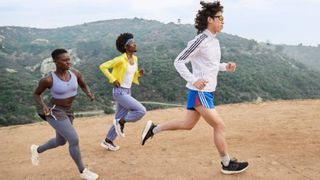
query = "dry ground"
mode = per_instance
[{"x": 279, "y": 139}]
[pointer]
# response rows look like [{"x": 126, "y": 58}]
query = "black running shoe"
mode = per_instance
[
  {"x": 147, "y": 132},
  {"x": 121, "y": 127},
  {"x": 109, "y": 145},
  {"x": 234, "y": 167}
]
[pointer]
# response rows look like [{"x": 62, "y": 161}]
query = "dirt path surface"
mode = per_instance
[{"x": 281, "y": 140}]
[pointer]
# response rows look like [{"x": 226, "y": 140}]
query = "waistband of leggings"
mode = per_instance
[{"x": 64, "y": 108}]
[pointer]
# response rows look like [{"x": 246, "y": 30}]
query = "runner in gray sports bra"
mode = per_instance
[
  {"x": 63, "y": 84},
  {"x": 63, "y": 89}
]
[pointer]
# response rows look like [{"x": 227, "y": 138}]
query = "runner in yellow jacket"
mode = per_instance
[{"x": 124, "y": 73}]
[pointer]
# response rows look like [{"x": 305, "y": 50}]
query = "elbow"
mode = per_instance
[
  {"x": 35, "y": 96},
  {"x": 176, "y": 65},
  {"x": 101, "y": 67}
]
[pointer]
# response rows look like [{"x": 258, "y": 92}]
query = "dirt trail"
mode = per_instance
[{"x": 279, "y": 139}]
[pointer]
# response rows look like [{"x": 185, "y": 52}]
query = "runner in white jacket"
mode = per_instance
[{"x": 204, "y": 54}]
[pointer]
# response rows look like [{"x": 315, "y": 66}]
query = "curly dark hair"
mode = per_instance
[
  {"x": 208, "y": 9},
  {"x": 121, "y": 40}
]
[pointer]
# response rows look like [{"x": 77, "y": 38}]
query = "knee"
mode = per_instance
[
  {"x": 188, "y": 126},
  {"x": 142, "y": 112},
  {"x": 61, "y": 142},
  {"x": 74, "y": 141},
  {"x": 220, "y": 127}
]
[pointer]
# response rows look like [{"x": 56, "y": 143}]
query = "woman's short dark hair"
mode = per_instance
[
  {"x": 121, "y": 41},
  {"x": 55, "y": 53},
  {"x": 207, "y": 9}
]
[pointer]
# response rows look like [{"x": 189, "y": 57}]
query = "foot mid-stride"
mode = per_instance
[
  {"x": 234, "y": 167},
  {"x": 147, "y": 132}
]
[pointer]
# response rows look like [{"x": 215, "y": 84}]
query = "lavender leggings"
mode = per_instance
[{"x": 127, "y": 108}]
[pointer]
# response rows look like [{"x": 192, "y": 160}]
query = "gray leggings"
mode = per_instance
[{"x": 64, "y": 132}]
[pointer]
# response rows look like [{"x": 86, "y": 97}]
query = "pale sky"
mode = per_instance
[{"x": 276, "y": 21}]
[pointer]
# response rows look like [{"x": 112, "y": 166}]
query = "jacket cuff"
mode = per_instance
[
  {"x": 222, "y": 66},
  {"x": 193, "y": 80}
]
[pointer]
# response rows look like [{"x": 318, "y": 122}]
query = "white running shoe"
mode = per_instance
[
  {"x": 89, "y": 175},
  {"x": 34, "y": 155},
  {"x": 118, "y": 128},
  {"x": 109, "y": 146}
]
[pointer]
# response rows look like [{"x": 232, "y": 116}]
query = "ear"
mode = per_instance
[{"x": 209, "y": 20}]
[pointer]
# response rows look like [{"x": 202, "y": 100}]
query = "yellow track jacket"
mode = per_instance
[{"x": 119, "y": 67}]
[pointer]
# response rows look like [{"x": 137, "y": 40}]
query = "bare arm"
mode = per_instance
[
  {"x": 42, "y": 86},
  {"x": 83, "y": 85}
]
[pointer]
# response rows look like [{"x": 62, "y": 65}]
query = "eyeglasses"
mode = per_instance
[{"x": 221, "y": 18}]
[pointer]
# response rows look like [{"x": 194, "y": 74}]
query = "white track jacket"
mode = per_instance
[{"x": 204, "y": 53}]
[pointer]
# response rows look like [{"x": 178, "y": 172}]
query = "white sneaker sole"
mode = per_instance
[
  {"x": 146, "y": 129},
  {"x": 89, "y": 175},
  {"x": 34, "y": 155},
  {"x": 117, "y": 128},
  {"x": 233, "y": 172},
  {"x": 91, "y": 178},
  {"x": 110, "y": 148}
]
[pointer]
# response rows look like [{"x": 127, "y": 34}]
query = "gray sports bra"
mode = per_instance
[{"x": 64, "y": 89}]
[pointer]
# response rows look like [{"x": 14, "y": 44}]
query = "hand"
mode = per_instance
[
  {"x": 200, "y": 84},
  {"x": 46, "y": 110},
  {"x": 231, "y": 67},
  {"x": 141, "y": 72},
  {"x": 116, "y": 83},
  {"x": 91, "y": 96}
]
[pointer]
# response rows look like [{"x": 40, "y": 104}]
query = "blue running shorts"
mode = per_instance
[{"x": 200, "y": 98}]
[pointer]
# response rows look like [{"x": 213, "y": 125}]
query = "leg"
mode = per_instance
[
  {"x": 212, "y": 117},
  {"x": 67, "y": 131},
  {"x": 191, "y": 119},
  {"x": 52, "y": 143},
  {"x": 120, "y": 112},
  {"x": 135, "y": 110}
]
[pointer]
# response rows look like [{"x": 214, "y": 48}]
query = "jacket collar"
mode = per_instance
[
  {"x": 124, "y": 55},
  {"x": 210, "y": 34}
]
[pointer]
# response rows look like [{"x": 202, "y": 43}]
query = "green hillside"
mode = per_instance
[
  {"x": 262, "y": 72},
  {"x": 308, "y": 55}
]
